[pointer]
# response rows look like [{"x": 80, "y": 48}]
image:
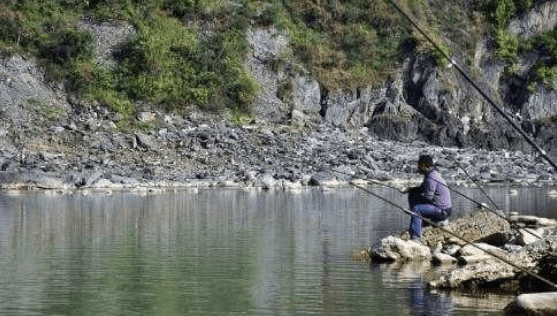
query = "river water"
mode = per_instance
[{"x": 223, "y": 252}]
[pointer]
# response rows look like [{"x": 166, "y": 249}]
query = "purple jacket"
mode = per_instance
[{"x": 435, "y": 189}]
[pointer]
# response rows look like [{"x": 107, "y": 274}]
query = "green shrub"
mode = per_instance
[
  {"x": 507, "y": 46},
  {"x": 69, "y": 44},
  {"x": 9, "y": 26},
  {"x": 504, "y": 12},
  {"x": 166, "y": 63},
  {"x": 500, "y": 12},
  {"x": 547, "y": 75},
  {"x": 440, "y": 56},
  {"x": 270, "y": 15},
  {"x": 217, "y": 70},
  {"x": 180, "y": 8},
  {"x": 118, "y": 102}
]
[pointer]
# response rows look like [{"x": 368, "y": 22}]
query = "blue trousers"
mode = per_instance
[{"x": 421, "y": 206}]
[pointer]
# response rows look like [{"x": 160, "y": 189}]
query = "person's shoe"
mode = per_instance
[
  {"x": 416, "y": 239},
  {"x": 443, "y": 223}
]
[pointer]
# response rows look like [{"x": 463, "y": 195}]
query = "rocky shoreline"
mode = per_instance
[
  {"x": 482, "y": 251},
  {"x": 81, "y": 147}
]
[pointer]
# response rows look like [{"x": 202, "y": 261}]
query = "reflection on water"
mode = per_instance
[{"x": 216, "y": 252}]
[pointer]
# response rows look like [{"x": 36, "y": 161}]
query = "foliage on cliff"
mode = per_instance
[
  {"x": 191, "y": 52},
  {"x": 510, "y": 47}
]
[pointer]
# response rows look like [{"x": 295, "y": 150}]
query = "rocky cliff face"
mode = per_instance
[{"x": 420, "y": 100}]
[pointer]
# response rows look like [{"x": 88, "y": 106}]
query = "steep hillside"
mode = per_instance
[{"x": 352, "y": 64}]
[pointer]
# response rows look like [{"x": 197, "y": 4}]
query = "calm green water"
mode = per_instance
[{"x": 220, "y": 252}]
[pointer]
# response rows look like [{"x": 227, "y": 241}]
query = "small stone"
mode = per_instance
[
  {"x": 146, "y": 117},
  {"x": 56, "y": 129},
  {"x": 440, "y": 258}
]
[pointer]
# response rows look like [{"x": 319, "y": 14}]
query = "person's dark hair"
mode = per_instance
[{"x": 426, "y": 159}]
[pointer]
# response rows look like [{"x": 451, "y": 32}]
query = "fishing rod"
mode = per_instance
[
  {"x": 498, "y": 214},
  {"x": 487, "y": 208},
  {"x": 482, "y": 93},
  {"x": 434, "y": 224}
]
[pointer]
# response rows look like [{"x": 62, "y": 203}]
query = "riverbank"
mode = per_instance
[
  {"x": 485, "y": 250},
  {"x": 83, "y": 148}
]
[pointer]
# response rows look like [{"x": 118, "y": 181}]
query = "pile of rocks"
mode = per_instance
[
  {"x": 485, "y": 249},
  {"x": 84, "y": 146}
]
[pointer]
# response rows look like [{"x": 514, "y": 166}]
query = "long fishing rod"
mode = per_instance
[
  {"x": 434, "y": 224},
  {"x": 482, "y": 93},
  {"x": 511, "y": 223}
]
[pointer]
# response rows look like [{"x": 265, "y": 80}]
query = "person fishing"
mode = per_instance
[{"x": 431, "y": 200}]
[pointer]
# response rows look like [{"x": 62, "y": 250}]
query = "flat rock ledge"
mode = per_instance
[{"x": 495, "y": 252}]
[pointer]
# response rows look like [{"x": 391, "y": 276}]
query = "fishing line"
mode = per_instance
[
  {"x": 434, "y": 224},
  {"x": 482, "y": 93},
  {"x": 430, "y": 222},
  {"x": 475, "y": 183}
]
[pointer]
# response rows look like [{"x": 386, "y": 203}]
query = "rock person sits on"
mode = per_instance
[{"x": 431, "y": 200}]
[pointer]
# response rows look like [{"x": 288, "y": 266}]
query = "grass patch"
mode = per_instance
[
  {"x": 240, "y": 117},
  {"x": 345, "y": 44},
  {"x": 51, "y": 113},
  {"x": 507, "y": 46},
  {"x": 353, "y": 44}
]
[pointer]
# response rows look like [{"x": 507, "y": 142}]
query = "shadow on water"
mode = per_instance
[{"x": 222, "y": 251}]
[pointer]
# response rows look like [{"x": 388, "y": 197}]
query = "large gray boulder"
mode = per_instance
[
  {"x": 534, "y": 304},
  {"x": 340, "y": 105},
  {"x": 395, "y": 249},
  {"x": 485, "y": 271},
  {"x": 306, "y": 95}
]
